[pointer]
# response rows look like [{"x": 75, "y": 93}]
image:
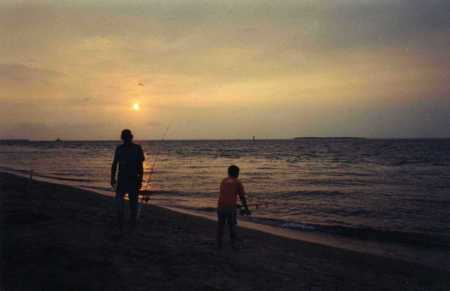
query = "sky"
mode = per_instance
[{"x": 224, "y": 69}]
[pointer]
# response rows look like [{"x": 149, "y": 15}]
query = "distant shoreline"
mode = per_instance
[
  {"x": 335, "y": 137},
  {"x": 6, "y": 140}
]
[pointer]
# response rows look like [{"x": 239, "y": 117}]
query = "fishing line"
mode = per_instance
[{"x": 145, "y": 194}]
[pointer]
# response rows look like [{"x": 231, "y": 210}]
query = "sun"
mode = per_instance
[{"x": 136, "y": 106}]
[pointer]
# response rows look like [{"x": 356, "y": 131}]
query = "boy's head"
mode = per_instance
[
  {"x": 233, "y": 171},
  {"x": 126, "y": 136}
]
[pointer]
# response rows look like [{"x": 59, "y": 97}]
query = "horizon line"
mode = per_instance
[{"x": 221, "y": 139}]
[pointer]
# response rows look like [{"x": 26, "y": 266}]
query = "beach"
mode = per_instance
[{"x": 57, "y": 237}]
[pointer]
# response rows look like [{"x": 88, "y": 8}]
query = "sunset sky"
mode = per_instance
[{"x": 224, "y": 69}]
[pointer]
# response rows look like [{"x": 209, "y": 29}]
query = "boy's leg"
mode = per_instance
[
  {"x": 232, "y": 227},
  {"x": 119, "y": 200},
  {"x": 220, "y": 228},
  {"x": 133, "y": 195}
]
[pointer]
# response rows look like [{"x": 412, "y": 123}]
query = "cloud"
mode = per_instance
[
  {"x": 154, "y": 124},
  {"x": 65, "y": 130},
  {"x": 62, "y": 61},
  {"x": 23, "y": 73}
]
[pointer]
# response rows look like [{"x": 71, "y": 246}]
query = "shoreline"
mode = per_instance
[
  {"x": 409, "y": 253},
  {"x": 417, "y": 255},
  {"x": 61, "y": 238}
]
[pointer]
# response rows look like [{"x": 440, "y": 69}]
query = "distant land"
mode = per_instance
[
  {"x": 14, "y": 140},
  {"x": 336, "y": 137}
]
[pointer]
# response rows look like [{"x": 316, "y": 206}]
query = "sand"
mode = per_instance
[{"x": 56, "y": 237}]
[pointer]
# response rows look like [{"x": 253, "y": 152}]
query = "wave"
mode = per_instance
[
  {"x": 430, "y": 201},
  {"x": 21, "y": 171},
  {"x": 359, "y": 233},
  {"x": 372, "y": 234},
  {"x": 68, "y": 179},
  {"x": 300, "y": 193},
  {"x": 57, "y": 176}
]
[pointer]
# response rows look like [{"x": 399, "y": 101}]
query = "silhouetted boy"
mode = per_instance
[
  {"x": 230, "y": 188},
  {"x": 130, "y": 157}
]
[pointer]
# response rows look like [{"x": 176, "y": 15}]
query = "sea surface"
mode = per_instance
[{"x": 393, "y": 191}]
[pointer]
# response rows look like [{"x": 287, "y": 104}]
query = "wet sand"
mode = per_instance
[{"x": 56, "y": 237}]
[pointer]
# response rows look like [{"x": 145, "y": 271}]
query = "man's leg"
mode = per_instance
[
  {"x": 120, "y": 208},
  {"x": 133, "y": 195},
  {"x": 220, "y": 228}
]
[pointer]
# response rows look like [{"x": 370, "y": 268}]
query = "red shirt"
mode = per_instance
[{"x": 230, "y": 188}]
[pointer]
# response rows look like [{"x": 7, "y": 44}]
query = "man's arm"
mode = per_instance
[
  {"x": 140, "y": 167},
  {"x": 113, "y": 169},
  {"x": 243, "y": 199},
  {"x": 140, "y": 174}
]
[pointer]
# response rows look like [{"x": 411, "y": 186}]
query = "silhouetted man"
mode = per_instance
[{"x": 130, "y": 158}]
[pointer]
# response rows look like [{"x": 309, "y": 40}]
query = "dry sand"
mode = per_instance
[{"x": 56, "y": 237}]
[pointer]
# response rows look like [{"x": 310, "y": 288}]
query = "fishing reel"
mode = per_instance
[
  {"x": 145, "y": 196},
  {"x": 242, "y": 210}
]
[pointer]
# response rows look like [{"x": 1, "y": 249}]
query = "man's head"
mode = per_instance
[
  {"x": 126, "y": 136},
  {"x": 233, "y": 171}
]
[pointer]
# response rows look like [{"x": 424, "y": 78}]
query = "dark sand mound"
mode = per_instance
[{"x": 59, "y": 238}]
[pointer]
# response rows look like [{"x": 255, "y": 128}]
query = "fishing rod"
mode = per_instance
[
  {"x": 243, "y": 211},
  {"x": 145, "y": 194}
]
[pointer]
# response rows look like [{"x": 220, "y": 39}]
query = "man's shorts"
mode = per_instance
[
  {"x": 227, "y": 215},
  {"x": 127, "y": 185}
]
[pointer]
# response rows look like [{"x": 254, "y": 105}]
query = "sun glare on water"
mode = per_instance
[{"x": 136, "y": 107}]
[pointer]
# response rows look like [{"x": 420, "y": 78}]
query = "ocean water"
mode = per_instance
[{"x": 395, "y": 191}]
